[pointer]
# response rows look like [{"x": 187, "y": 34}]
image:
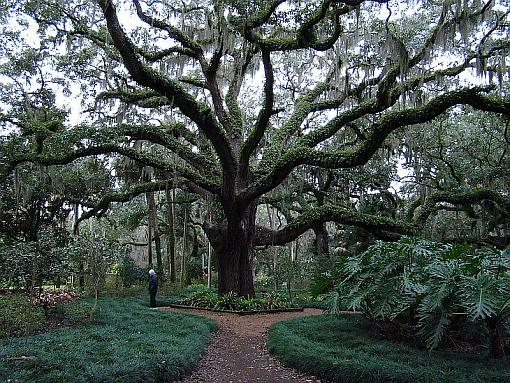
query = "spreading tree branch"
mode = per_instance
[
  {"x": 380, "y": 226},
  {"x": 171, "y": 89}
]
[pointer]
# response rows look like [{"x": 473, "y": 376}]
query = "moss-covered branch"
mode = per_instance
[
  {"x": 264, "y": 116},
  {"x": 100, "y": 205},
  {"x": 172, "y": 31},
  {"x": 140, "y": 98},
  {"x": 380, "y": 226},
  {"x": 154, "y": 56},
  {"x": 242, "y": 59},
  {"x": 305, "y": 36},
  {"x": 263, "y": 17},
  {"x": 163, "y": 136},
  {"x": 209, "y": 181},
  {"x": 364, "y": 150},
  {"x": 303, "y": 107},
  {"x": 171, "y": 89},
  {"x": 419, "y": 212}
]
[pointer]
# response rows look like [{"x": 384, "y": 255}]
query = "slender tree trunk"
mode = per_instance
[
  {"x": 35, "y": 238},
  {"x": 209, "y": 265},
  {"x": 154, "y": 230},
  {"x": 33, "y": 282},
  {"x": 274, "y": 252},
  {"x": 149, "y": 245},
  {"x": 184, "y": 246},
  {"x": 170, "y": 243},
  {"x": 81, "y": 266}
]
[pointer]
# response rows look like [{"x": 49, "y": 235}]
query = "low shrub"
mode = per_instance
[
  {"x": 71, "y": 313},
  {"x": 349, "y": 349},
  {"x": 304, "y": 299},
  {"x": 23, "y": 316},
  {"x": 130, "y": 273},
  {"x": 49, "y": 299},
  {"x": 125, "y": 292},
  {"x": 19, "y": 317}
]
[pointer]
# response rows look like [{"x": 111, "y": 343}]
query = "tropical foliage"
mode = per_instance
[{"x": 430, "y": 287}]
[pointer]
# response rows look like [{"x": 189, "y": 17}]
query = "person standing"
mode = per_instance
[{"x": 153, "y": 287}]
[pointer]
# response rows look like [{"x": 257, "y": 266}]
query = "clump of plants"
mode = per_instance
[
  {"x": 349, "y": 349},
  {"x": 21, "y": 315},
  {"x": 48, "y": 300},
  {"x": 439, "y": 292},
  {"x": 233, "y": 302},
  {"x": 130, "y": 273}
]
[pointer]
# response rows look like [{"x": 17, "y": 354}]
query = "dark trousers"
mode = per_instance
[{"x": 153, "y": 299}]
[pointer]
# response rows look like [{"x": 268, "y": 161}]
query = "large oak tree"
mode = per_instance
[{"x": 226, "y": 99}]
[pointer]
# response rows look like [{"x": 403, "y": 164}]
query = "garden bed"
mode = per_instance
[
  {"x": 232, "y": 303},
  {"x": 238, "y": 312},
  {"x": 127, "y": 343},
  {"x": 347, "y": 349}
]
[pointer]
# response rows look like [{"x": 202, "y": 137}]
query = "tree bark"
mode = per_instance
[
  {"x": 233, "y": 244},
  {"x": 184, "y": 246},
  {"x": 149, "y": 244},
  {"x": 496, "y": 350},
  {"x": 154, "y": 231},
  {"x": 274, "y": 250},
  {"x": 321, "y": 241},
  {"x": 81, "y": 266},
  {"x": 209, "y": 265},
  {"x": 170, "y": 245}
]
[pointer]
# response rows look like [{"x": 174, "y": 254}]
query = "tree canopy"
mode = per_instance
[{"x": 232, "y": 100}]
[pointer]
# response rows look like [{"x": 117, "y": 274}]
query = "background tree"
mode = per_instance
[{"x": 236, "y": 96}]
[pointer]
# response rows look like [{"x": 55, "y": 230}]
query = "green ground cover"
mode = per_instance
[
  {"x": 346, "y": 349},
  {"x": 127, "y": 343}
]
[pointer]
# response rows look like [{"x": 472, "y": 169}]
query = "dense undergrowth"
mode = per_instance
[
  {"x": 439, "y": 294},
  {"x": 126, "y": 343},
  {"x": 348, "y": 349}
]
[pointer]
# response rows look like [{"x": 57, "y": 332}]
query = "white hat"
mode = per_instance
[{"x": 152, "y": 272}]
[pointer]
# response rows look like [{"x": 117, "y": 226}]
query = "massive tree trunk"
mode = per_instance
[{"x": 233, "y": 245}]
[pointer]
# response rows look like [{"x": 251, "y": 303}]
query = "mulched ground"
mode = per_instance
[{"x": 238, "y": 352}]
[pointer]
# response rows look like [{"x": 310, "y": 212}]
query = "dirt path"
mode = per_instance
[{"x": 238, "y": 351}]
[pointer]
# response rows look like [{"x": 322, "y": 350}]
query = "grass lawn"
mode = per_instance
[
  {"x": 344, "y": 350},
  {"x": 129, "y": 343}
]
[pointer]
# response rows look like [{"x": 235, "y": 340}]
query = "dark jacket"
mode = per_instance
[{"x": 153, "y": 284}]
